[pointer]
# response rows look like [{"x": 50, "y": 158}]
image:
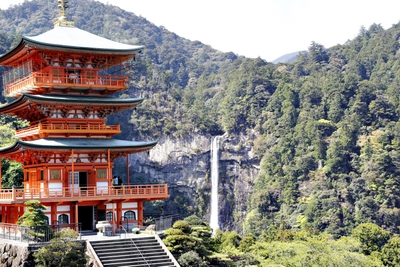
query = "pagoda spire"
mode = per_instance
[{"x": 63, "y": 20}]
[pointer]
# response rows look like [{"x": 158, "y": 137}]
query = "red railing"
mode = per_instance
[
  {"x": 153, "y": 191},
  {"x": 68, "y": 128},
  {"x": 47, "y": 79}
]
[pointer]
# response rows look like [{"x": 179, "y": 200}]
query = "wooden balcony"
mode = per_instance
[
  {"x": 144, "y": 192},
  {"x": 66, "y": 129},
  {"x": 38, "y": 82}
]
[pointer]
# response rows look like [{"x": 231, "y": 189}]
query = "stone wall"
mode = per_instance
[{"x": 15, "y": 254}]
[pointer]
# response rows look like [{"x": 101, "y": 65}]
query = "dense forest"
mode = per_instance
[{"x": 327, "y": 124}]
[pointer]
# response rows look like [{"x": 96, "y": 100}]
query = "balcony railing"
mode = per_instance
[
  {"x": 150, "y": 192},
  {"x": 64, "y": 128},
  {"x": 33, "y": 81}
]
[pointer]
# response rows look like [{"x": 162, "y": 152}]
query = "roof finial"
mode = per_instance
[{"x": 62, "y": 20}]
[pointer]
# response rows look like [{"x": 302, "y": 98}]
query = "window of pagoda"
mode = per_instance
[
  {"x": 130, "y": 215},
  {"x": 109, "y": 216},
  {"x": 55, "y": 174},
  {"x": 63, "y": 219}
]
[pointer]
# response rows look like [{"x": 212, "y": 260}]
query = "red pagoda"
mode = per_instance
[{"x": 62, "y": 81}]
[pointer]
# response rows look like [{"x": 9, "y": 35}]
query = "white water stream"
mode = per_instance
[{"x": 214, "y": 217}]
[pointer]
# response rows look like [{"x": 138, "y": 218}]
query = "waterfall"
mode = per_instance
[{"x": 214, "y": 222}]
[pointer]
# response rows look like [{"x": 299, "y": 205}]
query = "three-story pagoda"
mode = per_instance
[{"x": 62, "y": 81}]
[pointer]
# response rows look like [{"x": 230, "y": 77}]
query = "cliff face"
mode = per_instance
[{"x": 185, "y": 165}]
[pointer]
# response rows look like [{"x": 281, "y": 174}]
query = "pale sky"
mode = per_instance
[{"x": 261, "y": 28}]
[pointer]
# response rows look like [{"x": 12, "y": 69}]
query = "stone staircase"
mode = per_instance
[{"x": 148, "y": 251}]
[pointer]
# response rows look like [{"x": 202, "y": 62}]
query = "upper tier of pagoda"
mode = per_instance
[
  {"x": 67, "y": 116},
  {"x": 66, "y": 60}
]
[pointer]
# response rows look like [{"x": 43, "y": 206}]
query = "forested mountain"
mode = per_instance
[{"x": 326, "y": 126}]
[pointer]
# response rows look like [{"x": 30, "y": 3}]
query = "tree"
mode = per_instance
[
  {"x": 177, "y": 238},
  {"x": 390, "y": 255},
  {"x": 63, "y": 250},
  {"x": 201, "y": 232},
  {"x": 318, "y": 53},
  {"x": 371, "y": 236},
  {"x": 36, "y": 220},
  {"x": 246, "y": 243},
  {"x": 12, "y": 174}
]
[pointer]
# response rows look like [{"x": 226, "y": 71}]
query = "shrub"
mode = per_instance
[
  {"x": 191, "y": 259},
  {"x": 371, "y": 236},
  {"x": 64, "y": 250}
]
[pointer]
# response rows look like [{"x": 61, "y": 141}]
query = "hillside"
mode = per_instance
[{"x": 314, "y": 141}]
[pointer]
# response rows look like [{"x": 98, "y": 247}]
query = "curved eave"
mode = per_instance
[
  {"x": 7, "y": 58},
  {"x": 123, "y": 103},
  {"x": 9, "y": 108},
  {"x": 84, "y": 99},
  {"x": 87, "y": 144},
  {"x": 10, "y": 149},
  {"x": 82, "y": 49}
]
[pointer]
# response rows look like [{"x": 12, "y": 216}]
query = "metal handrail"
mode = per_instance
[
  {"x": 165, "y": 221},
  {"x": 134, "y": 244},
  {"x": 22, "y": 233}
]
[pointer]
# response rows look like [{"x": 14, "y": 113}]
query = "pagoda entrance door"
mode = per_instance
[
  {"x": 78, "y": 180},
  {"x": 86, "y": 219}
]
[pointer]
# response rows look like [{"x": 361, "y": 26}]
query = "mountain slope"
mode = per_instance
[{"x": 322, "y": 131}]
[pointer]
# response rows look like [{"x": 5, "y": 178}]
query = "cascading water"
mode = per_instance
[{"x": 214, "y": 222}]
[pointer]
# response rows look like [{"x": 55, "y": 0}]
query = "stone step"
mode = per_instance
[{"x": 135, "y": 252}]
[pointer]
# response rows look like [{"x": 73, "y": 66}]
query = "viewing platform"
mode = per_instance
[
  {"x": 50, "y": 82},
  {"x": 44, "y": 130},
  {"x": 91, "y": 193}
]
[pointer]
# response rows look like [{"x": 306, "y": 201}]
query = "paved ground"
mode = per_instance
[{"x": 100, "y": 236}]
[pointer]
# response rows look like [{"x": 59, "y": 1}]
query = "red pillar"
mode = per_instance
[
  {"x": 119, "y": 213},
  {"x": 140, "y": 213}
]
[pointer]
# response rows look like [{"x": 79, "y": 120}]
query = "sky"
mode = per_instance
[{"x": 261, "y": 28}]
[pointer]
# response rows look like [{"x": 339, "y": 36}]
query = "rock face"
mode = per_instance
[
  {"x": 16, "y": 255},
  {"x": 184, "y": 164}
]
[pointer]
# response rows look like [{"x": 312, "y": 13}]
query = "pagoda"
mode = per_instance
[{"x": 62, "y": 81}]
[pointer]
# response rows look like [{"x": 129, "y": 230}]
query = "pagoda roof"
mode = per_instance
[
  {"x": 70, "y": 38},
  {"x": 122, "y": 103},
  {"x": 93, "y": 144}
]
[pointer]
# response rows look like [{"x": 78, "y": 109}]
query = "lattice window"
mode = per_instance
[
  {"x": 102, "y": 173},
  {"x": 109, "y": 216},
  {"x": 130, "y": 215},
  {"x": 63, "y": 219},
  {"x": 55, "y": 174}
]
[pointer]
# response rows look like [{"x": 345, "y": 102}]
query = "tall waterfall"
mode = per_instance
[{"x": 214, "y": 222}]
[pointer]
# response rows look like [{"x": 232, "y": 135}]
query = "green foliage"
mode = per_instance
[
  {"x": 313, "y": 252},
  {"x": 33, "y": 215},
  {"x": 193, "y": 220},
  {"x": 371, "y": 236},
  {"x": 35, "y": 219},
  {"x": 191, "y": 259},
  {"x": 229, "y": 242},
  {"x": 6, "y": 135},
  {"x": 177, "y": 238},
  {"x": 390, "y": 254},
  {"x": 246, "y": 243},
  {"x": 12, "y": 174},
  {"x": 182, "y": 226},
  {"x": 64, "y": 250},
  {"x": 189, "y": 234}
]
